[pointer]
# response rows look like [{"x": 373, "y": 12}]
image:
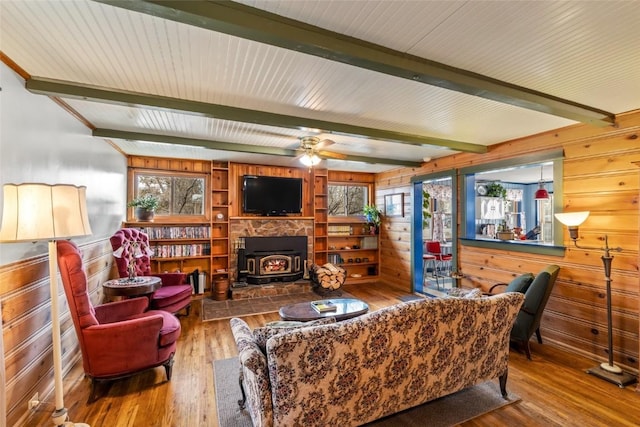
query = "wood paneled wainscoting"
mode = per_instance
[
  {"x": 601, "y": 175},
  {"x": 26, "y": 324}
]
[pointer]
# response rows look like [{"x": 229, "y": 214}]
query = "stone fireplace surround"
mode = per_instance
[{"x": 241, "y": 227}]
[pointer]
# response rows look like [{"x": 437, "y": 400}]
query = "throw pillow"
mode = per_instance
[
  {"x": 262, "y": 334},
  {"x": 464, "y": 293},
  {"x": 284, "y": 324},
  {"x": 473, "y": 293}
]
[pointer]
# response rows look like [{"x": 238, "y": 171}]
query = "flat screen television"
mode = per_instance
[{"x": 271, "y": 195}]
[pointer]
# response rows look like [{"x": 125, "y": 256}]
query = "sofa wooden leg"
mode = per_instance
[
  {"x": 503, "y": 384},
  {"x": 242, "y": 402}
]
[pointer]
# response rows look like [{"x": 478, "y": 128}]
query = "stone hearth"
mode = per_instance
[{"x": 272, "y": 289}]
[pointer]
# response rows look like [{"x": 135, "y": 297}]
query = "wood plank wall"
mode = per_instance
[
  {"x": 26, "y": 319},
  {"x": 601, "y": 174},
  {"x": 166, "y": 164},
  {"x": 351, "y": 177}
]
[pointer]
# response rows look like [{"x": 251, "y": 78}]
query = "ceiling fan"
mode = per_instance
[{"x": 313, "y": 153}]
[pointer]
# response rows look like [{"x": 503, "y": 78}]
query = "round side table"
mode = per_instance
[{"x": 139, "y": 286}]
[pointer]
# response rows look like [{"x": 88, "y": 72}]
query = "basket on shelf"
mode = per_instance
[{"x": 505, "y": 235}]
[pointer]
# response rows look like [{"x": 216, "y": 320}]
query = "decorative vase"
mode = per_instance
[{"x": 144, "y": 215}]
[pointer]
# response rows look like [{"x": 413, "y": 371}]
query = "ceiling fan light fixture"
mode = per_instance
[{"x": 310, "y": 160}]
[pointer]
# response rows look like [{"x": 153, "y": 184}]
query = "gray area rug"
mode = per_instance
[
  {"x": 216, "y": 310},
  {"x": 444, "y": 412}
]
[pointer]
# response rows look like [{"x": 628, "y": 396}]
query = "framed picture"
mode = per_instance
[{"x": 394, "y": 204}]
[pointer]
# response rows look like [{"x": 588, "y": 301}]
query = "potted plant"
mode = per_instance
[
  {"x": 145, "y": 206},
  {"x": 495, "y": 189},
  {"x": 373, "y": 217},
  {"x": 426, "y": 208}
]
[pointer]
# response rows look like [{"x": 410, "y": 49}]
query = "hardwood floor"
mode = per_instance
[{"x": 554, "y": 388}]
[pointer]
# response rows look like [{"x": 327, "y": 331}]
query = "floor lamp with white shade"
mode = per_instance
[
  {"x": 608, "y": 371},
  {"x": 37, "y": 212}
]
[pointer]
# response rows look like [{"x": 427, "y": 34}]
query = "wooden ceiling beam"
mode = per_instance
[
  {"x": 65, "y": 89},
  {"x": 230, "y": 146},
  {"x": 255, "y": 24}
]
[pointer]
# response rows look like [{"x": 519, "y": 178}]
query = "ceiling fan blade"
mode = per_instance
[
  {"x": 331, "y": 155},
  {"x": 324, "y": 143}
]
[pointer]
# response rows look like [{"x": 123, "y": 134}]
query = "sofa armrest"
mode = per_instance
[
  {"x": 120, "y": 310},
  {"x": 254, "y": 373},
  {"x": 261, "y": 335},
  {"x": 171, "y": 279}
]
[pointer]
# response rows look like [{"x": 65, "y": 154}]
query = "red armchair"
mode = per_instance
[
  {"x": 117, "y": 339},
  {"x": 174, "y": 295}
]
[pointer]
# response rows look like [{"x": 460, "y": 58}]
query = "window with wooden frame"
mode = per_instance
[
  {"x": 183, "y": 196},
  {"x": 348, "y": 200}
]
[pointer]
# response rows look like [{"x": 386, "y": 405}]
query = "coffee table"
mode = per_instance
[{"x": 346, "y": 308}]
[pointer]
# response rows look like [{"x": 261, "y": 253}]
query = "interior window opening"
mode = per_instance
[{"x": 514, "y": 204}]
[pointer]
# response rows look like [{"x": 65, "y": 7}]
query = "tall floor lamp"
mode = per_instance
[
  {"x": 608, "y": 371},
  {"x": 34, "y": 212}
]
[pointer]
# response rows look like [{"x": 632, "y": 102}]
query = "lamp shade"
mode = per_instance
[
  {"x": 43, "y": 212},
  {"x": 542, "y": 193},
  {"x": 572, "y": 219},
  {"x": 118, "y": 252}
]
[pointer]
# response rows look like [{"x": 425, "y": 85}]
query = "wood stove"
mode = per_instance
[{"x": 272, "y": 259}]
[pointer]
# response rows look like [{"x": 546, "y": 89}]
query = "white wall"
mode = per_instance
[{"x": 41, "y": 142}]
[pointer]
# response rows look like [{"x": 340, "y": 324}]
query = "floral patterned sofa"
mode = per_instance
[{"x": 356, "y": 371}]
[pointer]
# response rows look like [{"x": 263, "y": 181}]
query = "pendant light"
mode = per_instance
[{"x": 541, "y": 192}]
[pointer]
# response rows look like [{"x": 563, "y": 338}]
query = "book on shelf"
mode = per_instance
[
  {"x": 193, "y": 232},
  {"x": 323, "y": 306},
  {"x": 169, "y": 251}
]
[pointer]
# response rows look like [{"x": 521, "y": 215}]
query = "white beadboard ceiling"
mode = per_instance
[{"x": 586, "y": 52}]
